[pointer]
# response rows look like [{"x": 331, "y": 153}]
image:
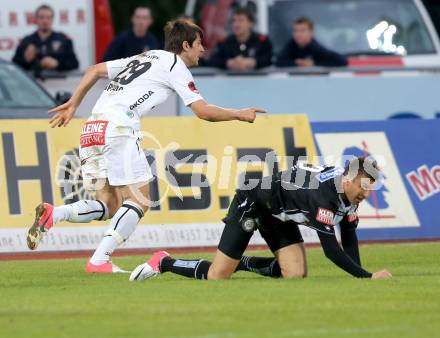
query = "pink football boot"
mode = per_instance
[
  {"x": 42, "y": 224},
  {"x": 108, "y": 267},
  {"x": 149, "y": 269}
]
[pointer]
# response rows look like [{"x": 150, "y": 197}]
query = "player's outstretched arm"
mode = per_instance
[
  {"x": 334, "y": 252},
  {"x": 212, "y": 113},
  {"x": 65, "y": 112},
  {"x": 349, "y": 241}
]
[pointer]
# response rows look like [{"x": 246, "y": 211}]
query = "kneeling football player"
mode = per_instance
[{"x": 316, "y": 197}]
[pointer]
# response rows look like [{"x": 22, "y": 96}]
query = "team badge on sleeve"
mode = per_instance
[
  {"x": 192, "y": 87},
  {"x": 325, "y": 216}
]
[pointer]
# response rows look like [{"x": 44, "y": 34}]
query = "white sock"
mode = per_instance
[
  {"x": 121, "y": 227},
  {"x": 104, "y": 250},
  {"x": 83, "y": 211}
]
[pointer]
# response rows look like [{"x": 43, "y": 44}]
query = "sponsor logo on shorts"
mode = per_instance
[
  {"x": 192, "y": 87},
  {"x": 141, "y": 100},
  {"x": 325, "y": 216},
  {"x": 248, "y": 224},
  {"x": 93, "y": 133}
]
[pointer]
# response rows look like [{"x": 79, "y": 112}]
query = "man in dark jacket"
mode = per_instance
[
  {"x": 304, "y": 51},
  {"x": 136, "y": 40},
  {"x": 45, "y": 49},
  {"x": 243, "y": 50}
]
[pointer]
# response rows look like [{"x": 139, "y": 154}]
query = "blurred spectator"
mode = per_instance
[
  {"x": 136, "y": 40},
  {"x": 244, "y": 49},
  {"x": 304, "y": 51},
  {"x": 45, "y": 49}
]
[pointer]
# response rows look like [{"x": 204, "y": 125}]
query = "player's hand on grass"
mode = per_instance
[
  {"x": 249, "y": 114},
  {"x": 383, "y": 274},
  {"x": 63, "y": 114}
]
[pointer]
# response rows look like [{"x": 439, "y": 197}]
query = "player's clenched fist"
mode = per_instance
[
  {"x": 249, "y": 114},
  {"x": 383, "y": 274}
]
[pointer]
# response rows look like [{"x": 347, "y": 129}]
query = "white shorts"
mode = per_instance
[{"x": 120, "y": 159}]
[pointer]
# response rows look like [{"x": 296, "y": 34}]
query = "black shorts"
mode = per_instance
[{"x": 235, "y": 238}]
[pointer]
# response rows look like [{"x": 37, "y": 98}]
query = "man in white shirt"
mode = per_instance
[{"x": 110, "y": 153}]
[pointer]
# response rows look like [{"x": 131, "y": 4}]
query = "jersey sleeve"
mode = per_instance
[
  {"x": 182, "y": 82},
  {"x": 349, "y": 238},
  {"x": 333, "y": 251}
]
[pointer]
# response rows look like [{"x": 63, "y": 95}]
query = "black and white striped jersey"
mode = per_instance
[{"x": 308, "y": 195}]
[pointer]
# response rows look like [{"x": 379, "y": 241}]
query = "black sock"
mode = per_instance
[
  {"x": 189, "y": 268},
  {"x": 265, "y": 266}
]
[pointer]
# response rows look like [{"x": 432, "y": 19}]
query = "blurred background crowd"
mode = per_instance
[
  {"x": 55, "y": 41},
  {"x": 241, "y": 36}
]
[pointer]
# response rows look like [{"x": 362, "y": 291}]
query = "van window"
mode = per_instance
[
  {"x": 18, "y": 91},
  {"x": 355, "y": 27}
]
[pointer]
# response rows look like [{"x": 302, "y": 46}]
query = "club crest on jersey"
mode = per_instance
[
  {"x": 192, "y": 87},
  {"x": 328, "y": 175},
  {"x": 325, "y": 216}
]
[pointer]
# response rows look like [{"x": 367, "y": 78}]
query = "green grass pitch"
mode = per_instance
[{"x": 55, "y": 298}]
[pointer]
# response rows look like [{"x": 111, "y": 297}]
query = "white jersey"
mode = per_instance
[{"x": 140, "y": 83}]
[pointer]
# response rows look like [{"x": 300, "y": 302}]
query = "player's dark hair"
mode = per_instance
[
  {"x": 43, "y": 7},
  {"x": 178, "y": 31},
  {"x": 246, "y": 12},
  {"x": 362, "y": 166},
  {"x": 304, "y": 20}
]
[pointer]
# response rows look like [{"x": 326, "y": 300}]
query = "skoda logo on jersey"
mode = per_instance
[
  {"x": 141, "y": 100},
  {"x": 130, "y": 114}
]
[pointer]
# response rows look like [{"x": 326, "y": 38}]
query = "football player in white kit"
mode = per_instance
[{"x": 111, "y": 156}]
